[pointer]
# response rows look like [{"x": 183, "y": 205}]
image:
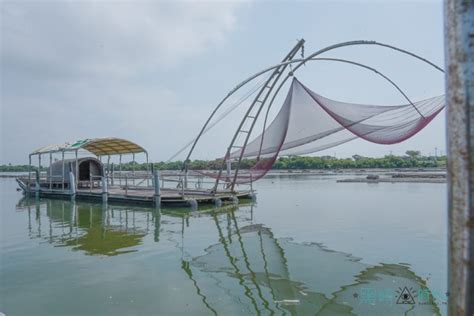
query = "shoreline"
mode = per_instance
[{"x": 407, "y": 172}]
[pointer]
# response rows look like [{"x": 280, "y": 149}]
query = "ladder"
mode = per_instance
[{"x": 250, "y": 117}]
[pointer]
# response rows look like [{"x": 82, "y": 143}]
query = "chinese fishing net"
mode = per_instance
[{"x": 308, "y": 122}]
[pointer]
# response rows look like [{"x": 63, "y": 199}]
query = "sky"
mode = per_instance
[{"x": 152, "y": 71}]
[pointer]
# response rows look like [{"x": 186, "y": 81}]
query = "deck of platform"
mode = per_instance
[
  {"x": 142, "y": 195},
  {"x": 168, "y": 196}
]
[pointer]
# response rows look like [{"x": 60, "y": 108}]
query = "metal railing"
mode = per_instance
[{"x": 182, "y": 183}]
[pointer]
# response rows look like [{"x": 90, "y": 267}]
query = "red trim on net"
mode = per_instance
[{"x": 422, "y": 122}]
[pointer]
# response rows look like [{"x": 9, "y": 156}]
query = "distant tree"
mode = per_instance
[
  {"x": 413, "y": 159},
  {"x": 413, "y": 154}
]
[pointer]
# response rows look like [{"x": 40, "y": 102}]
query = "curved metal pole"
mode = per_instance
[
  {"x": 302, "y": 61},
  {"x": 336, "y": 60},
  {"x": 300, "y": 43},
  {"x": 270, "y": 84},
  {"x": 209, "y": 125},
  {"x": 240, "y": 85},
  {"x": 351, "y": 43},
  {"x": 369, "y": 68},
  {"x": 323, "y": 50}
]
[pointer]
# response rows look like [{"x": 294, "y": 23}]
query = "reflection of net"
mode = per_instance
[{"x": 308, "y": 122}]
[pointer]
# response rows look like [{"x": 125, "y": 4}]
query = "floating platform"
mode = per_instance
[
  {"x": 140, "y": 195},
  {"x": 85, "y": 176}
]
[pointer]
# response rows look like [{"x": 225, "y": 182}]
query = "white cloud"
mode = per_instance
[
  {"x": 111, "y": 37},
  {"x": 78, "y": 69}
]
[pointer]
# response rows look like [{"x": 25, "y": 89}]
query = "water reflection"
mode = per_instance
[
  {"x": 248, "y": 270},
  {"x": 278, "y": 276},
  {"x": 94, "y": 229}
]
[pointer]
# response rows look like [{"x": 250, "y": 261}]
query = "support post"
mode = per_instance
[
  {"x": 50, "y": 171},
  {"x": 251, "y": 183},
  {"x": 72, "y": 182},
  {"x": 39, "y": 165},
  {"x": 105, "y": 191},
  {"x": 108, "y": 167},
  {"x": 112, "y": 177},
  {"x": 185, "y": 184},
  {"x": 37, "y": 183},
  {"x": 459, "y": 46},
  {"x": 133, "y": 168},
  {"x": 156, "y": 183},
  {"x": 126, "y": 185},
  {"x": 147, "y": 170},
  {"x": 228, "y": 166},
  {"x": 120, "y": 169},
  {"x": 76, "y": 171},
  {"x": 63, "y": 170},
  {"x": 29, "y": 172}
]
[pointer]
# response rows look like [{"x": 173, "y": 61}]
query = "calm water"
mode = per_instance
[{"x": 308, "y": 246}]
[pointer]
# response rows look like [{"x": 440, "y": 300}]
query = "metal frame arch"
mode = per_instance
[
  {"x": 339, "y": 45},
  {"x": 240, "y": 85},
  {"x": 270, "y": 83},
  {"x": 353, "y": 43},
  {"x": 301, "y": 62}
]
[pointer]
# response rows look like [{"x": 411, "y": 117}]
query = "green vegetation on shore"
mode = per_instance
[
  {"x": 412, "y": 159},
  {"x": 15, "y": 168}
]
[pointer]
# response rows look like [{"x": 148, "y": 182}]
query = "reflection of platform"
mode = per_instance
[
  {"x": 87, "y": 227},
  {"x": 100, "y": 229}
]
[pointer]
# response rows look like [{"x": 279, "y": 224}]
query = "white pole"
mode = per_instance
[
  {"x": 76, "y": 167},
  {"x": 72, "y": 182}
]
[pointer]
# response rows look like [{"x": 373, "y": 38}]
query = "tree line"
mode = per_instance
[{"x": 411, "y": 159}]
